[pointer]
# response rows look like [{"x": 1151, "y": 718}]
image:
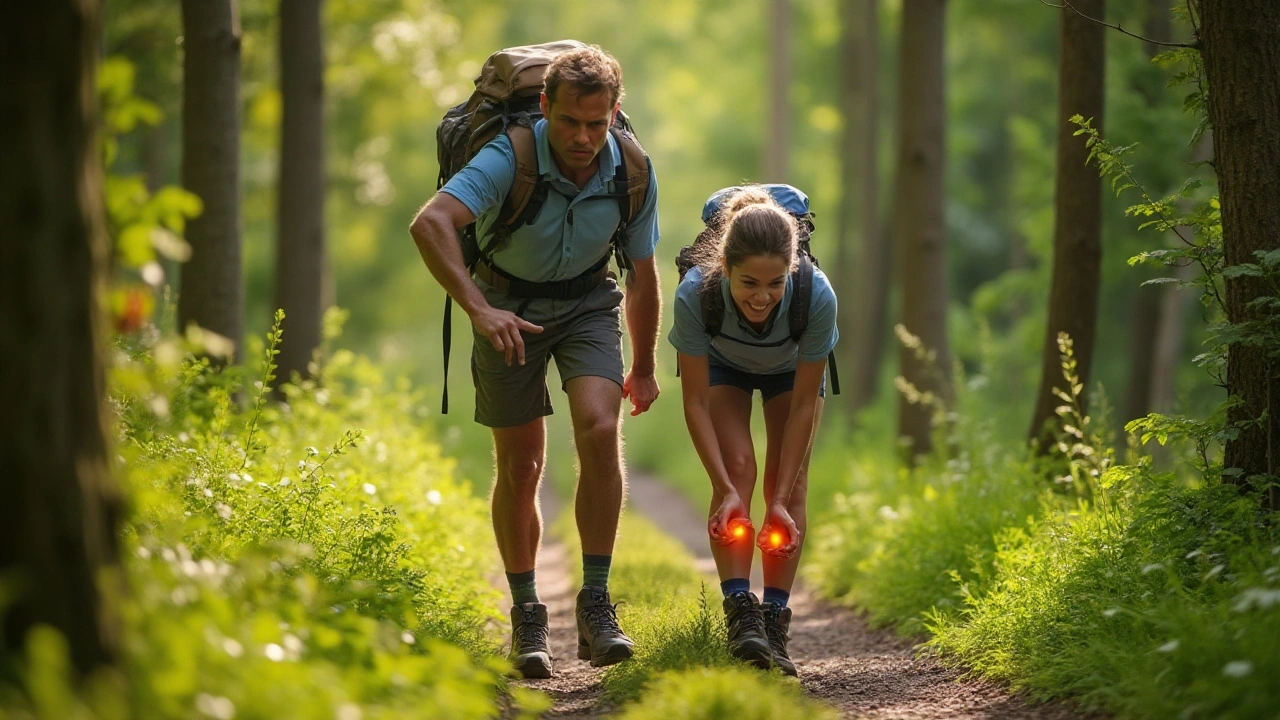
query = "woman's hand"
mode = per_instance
[
  {"x": 731, "y": 508},
  {"x": 779, "y": 537}
]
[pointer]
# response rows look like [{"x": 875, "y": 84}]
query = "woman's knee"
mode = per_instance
[{"x": 741, "y": 467}]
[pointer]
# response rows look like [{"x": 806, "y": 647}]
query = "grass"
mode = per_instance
[{"x": 313, "y": 559}]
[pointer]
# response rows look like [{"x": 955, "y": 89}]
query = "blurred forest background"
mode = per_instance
[{"x": 702, "y": 93}]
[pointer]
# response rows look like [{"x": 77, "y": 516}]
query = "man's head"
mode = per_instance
[{"x": 582, "y": 95}]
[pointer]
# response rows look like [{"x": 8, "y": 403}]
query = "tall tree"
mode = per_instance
[
  {"x": 1077, "y": 221},
  {"x": 918, "y": 215},
  {"x": 212, "y": 290},
  {"x": 300, "y": 250},
  {"x": 59, "y": 507},
  {"x": 777, "y": 144},
  {"x": 1240, "y": 44},
  {"x": 865, "y": 254}
]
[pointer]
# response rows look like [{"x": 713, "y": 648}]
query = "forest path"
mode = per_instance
[{"x": 860, "y": 671}]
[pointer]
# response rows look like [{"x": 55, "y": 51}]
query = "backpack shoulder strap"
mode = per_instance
[
  {"x": 801, "y": 297},
  {"x": 632, "y": 179},
  {"x": 712, "y": 307},
  {"x": 516, "y": 210}
]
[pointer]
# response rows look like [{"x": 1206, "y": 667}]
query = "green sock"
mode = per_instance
[
  {"x": 595, "y": 570},
  {"x": 523, "y": 588}
]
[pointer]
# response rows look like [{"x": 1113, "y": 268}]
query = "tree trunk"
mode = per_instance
[
  {"x": 59, "y": 507},
  {"x": 865, "y": 252},
  {"x": 1240, "y": 42},
  {"x": 919, "y": 213},
  {"x": 1077, "y": 223},
  {"x": 212, "y": 290},
  {"x": 300, "y": 250},
  {"x": 777, "y": 145}
]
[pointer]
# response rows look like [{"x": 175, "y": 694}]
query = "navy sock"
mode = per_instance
[
  {"x": 595, "y": 570},
  {"x": 523, "y": 588},
  {"x": 777, "y": 596},
  {"x": 733, "y": 585}
]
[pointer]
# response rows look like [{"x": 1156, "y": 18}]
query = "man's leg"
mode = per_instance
[
  {"x": 519, "y": 457},
  {"x": 595, "y": 404}
]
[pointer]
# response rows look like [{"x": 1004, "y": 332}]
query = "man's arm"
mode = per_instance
[
  {"x": 644, "y": 310},
  {"x": 435, "y": 232}
]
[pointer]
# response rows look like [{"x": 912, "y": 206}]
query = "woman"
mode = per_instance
[{"x": 752, "y": 265}]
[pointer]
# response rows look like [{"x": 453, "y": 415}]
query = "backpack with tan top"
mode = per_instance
[{"x": 506, "y": 100}]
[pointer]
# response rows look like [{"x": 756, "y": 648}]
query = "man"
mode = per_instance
[{"x": 562, "y": 251}]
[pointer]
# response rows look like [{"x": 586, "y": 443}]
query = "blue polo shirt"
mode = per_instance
[
  {"x": 573, "y": 228},
  {"x": 738, "y": 345}
]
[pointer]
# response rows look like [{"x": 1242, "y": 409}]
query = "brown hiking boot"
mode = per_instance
[
  {"x": 529, "y": 632},
  {"x": 746, "y": 629},
  {"x": 600, "y": 640},
  {"x": 777, "y": 623}
]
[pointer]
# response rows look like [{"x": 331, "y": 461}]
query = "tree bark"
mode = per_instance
[
  {"x": 1240, "y": 43},
  {"x": 300, "y": 250},
  {"x": 777, "y": 145},
  {"x": 212, "y": 289},
  {"x": 865, "y": 252},
  {"x": 1077, "y": 245},
  {"x": 919, "y": 212},
  {"x": 59, "y": 506}
]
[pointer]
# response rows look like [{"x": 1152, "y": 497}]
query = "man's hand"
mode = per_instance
[
  {"x": 779, "y": 537},
  {"x": 642, "y": 390},
  {"x": 503, "y": 330},
  {"x": 731, "y": 508}
]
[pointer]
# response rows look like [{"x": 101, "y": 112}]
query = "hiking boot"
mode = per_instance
[
  {"x": 777, "y": 623},
  {"x": 529, "y": 652},
  {"x": 746, "y": 629},
  {"x": 600, "y": 640}
]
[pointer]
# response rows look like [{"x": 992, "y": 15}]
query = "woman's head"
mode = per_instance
[{"x": 756, "y": 251}]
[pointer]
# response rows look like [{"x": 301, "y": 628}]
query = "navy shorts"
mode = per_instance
[{"x": 770, "y": 386}]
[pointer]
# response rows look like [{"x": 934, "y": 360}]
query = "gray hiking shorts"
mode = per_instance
[{"x": 584, "y": 335}]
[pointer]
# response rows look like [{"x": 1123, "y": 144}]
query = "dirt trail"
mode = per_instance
[
  {"x": 863, "y": 673},
  {"x": 575, "y": 687}
]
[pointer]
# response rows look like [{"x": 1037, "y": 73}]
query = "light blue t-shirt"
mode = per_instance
[
  {"x": 572, "y": 231},
  {"x": 731, "y": 348}
]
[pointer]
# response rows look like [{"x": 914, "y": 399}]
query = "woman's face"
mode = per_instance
[{"x": 757, "y": 284}]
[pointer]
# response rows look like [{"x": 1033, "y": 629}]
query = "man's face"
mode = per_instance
[{"x": 577, "y": 127}]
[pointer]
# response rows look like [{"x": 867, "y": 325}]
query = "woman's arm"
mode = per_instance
[
  {"x": 796, "y": 437},
  {"x": 695, "y": 385}
]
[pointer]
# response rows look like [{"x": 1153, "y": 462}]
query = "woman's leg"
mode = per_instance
[
  {"x": 731, "y": 414},
  {"x": 780, "y": 573}
]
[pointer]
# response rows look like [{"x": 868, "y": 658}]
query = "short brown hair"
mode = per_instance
[{"x": 590, "y": 70}]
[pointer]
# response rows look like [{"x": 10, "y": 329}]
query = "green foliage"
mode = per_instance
[
  {"x": 725, "y": 693},
  {"x": 309, "y": 559}
]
